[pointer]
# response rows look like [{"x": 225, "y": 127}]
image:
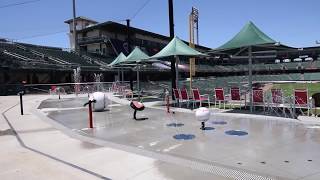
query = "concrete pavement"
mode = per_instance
[{"x": 32, "y": 148}]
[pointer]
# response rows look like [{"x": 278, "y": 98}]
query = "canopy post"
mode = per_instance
[
  {"x": 250, "y": 77},
  {"x": 118, "y": 74},
  {"x": 138, "y": 82},
  {"x": 122, "y": 75},
  {"x": 173, "y": 77},
  {"x": 177, "y": 72},
  {"x": 131, "y": 81}
]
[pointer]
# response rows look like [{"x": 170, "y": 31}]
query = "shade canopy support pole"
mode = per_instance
[
  {"x": 171, "y": 28},
  {"x": 250, "y": 77},
  {"x": 177, "y": 71},
  {"x": 118, "y": 74},
  {"x": 138, "y": 82},
  {"x": 122, "y": 75}
]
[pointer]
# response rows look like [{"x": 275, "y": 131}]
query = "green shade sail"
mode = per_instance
[
  {"x": 249, "y": 35},
  {"x": 177, "y": 47},
  {"x": 136, "y": 56},
  {"x": 120, "y": 58}
]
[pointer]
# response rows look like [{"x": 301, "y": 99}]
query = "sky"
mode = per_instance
[{"x": 291, "y": 22}]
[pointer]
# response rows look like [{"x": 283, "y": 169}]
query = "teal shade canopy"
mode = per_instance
[
  {"x": 120, "y": 58},
  {"x": 249, "y": 35},
  {"x": 136, "y": 56},
  {"x": 177, "y": 47}
]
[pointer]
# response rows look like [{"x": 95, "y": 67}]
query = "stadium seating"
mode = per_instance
[
  {"x": 20, "y": 51},
  {"x": 67, "y": 56}
]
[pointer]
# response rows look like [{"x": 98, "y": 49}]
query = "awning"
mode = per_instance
[
  {"x": 176, "y": 47},
  {"x": 120, "y": 58},
  {"x": 249, "y": 35}
]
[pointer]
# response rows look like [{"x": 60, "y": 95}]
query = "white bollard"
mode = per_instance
[
  {"x": 101, "y": 100},
  {"x": 202, "y": 114}
]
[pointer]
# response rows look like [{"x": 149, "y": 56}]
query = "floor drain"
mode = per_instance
[
  {"x": 286, "y": 161},
  {"x": 219, "y": 122},
  {"x": 239, "y": 163},
  {"x": 175, "y": 125},
  {"x": 236, "y": 133},
  {"x": 184, "y": 136},
  {"x": 263, "y": 162},
  {"x": 309, "y": 160}
]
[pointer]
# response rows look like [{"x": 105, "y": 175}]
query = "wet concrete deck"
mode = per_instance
[
  {"x": 274, "y": 148},
  {"x": 36, "y": 147}
]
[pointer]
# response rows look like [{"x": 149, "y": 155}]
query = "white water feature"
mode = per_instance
[{"x": 77, "y": 79}]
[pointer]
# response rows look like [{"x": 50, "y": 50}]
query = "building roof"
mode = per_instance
[
  {"x": 249, "y": 35},
  {"x": 80, "y": 18},
  {"x": 117, "y": 27}
]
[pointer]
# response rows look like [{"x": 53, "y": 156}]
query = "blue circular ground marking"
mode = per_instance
[
  {"x": 219, "y": 122},
  {"x": 175, "y": 125},
  {"x": 236, "y": 133},
  {"x": 184, "y": 136},
  {"x": 208, "y": 128}
]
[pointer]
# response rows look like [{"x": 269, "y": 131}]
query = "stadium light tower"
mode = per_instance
[
  {"x": 193, "y": 27},
  {"x": 74, "y": 25}
]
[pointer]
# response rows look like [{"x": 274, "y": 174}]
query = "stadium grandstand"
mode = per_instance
[{"x": 100, "y": 43}]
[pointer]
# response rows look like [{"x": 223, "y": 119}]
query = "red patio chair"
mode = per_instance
[
  {"x": 184, "y": 97},
  {"x": 257, "y": 98},
  {"x": 276, "y": 96},
  {"x": 219, "y": 96},
  {"x": 277, "y": 99},
  {"x": 53, "y": 90},
  {"x": 197, "y": 97},
  {"x": 235, "y": 94},
  {"x": 301, "y": 99}
]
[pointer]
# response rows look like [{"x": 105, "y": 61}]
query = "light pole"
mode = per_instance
[
  {"x": 74, "y": 25},
  {"x": 171, "y": 27}
]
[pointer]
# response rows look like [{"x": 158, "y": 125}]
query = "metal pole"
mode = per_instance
[
  {"x": 171, "y": 28},
  {"x": 131, "y": 81},
  {"x": 118, "y": 74},
  {"x": 122, "y": 75},
  {"x": 167, "y": 99},
  {"x": 129, "y": 50},
  {"x": 128, "y": 35},
  {"x": 171, "y": 23},
  {"x": 74, "y": 25},
  {"x": 177, "y": 72},
  {"x": 90, "y": 115},
  {"x": 138, "y": 83},
  {"x": 21, "y": 103},
  {"x": 191, "y": 44},
  {"x": 250, "y": 77}
]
